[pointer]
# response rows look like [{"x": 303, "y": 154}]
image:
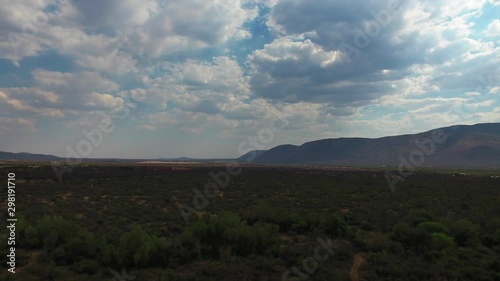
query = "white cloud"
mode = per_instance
[
  {"x": 60, "y": 95},
  {"x": 25, "y": 101},
  {"x": 193, "y": 85},
  {"x": 146, "y": 128},
  {"x": 491, "y": 116},
  {"x": 428, "y": 60},
  {"x": 105, "y": 101},
  {"x": 493, "y": 29},
  {"x": 106, "y": 36},
  {"x": 11, "y": 124},
  {"x": 485, "y": 103}
]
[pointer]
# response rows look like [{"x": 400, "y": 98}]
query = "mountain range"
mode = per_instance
[
  {"x": 466, "y": 146},
  {"x": 27, "y": 156}
]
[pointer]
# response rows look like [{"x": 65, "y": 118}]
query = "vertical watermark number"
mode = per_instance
[{"x": 11, "y": 221}]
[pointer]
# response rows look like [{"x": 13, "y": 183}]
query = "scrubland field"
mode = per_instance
[{"x": 154, "y": 221}]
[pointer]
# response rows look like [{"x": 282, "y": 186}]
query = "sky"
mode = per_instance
[{"x": 201, "y": 78}]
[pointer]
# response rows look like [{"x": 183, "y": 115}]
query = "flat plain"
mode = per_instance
[{"x": 177, "y": 221}]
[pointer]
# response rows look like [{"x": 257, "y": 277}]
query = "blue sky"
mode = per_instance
[{"x": 200, "y": 78}]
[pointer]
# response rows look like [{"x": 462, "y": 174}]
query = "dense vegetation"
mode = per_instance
[{"x": 106, "y": 220}]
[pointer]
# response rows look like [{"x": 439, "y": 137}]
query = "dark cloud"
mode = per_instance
[
  {"x": 204, "y": 106},
  {"x": 96, "y": 13},
  {"x": 360, "y": 47},
  {"x": 335, "y": 22},
  {"x": 372, "y": 45}
]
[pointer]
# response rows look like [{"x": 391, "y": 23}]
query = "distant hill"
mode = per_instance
[
  {"x": 179, "y": 159},
  {"x": 474, "y": 146},
  {"x": 187, "y": 159},
  {"x": 4, "y": 156},
  {"x": 464, "y": 146},
  {"x": 250, "y": 156}
]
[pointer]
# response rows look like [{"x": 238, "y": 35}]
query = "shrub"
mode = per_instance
[
  {"x": 55, "y": 231},
  {"x": 87, "y": 266},
  {"x": 216, "y": 232},
  {"x": 465, "y": 232},
  {"x": 287, "y": 220},
  {"x": 139, "y": 248},
  {"x": 333, "y": 225},
  {"x": 242, "y": 239},
  {"x": 416, "y": 217},
  {"x": 442, "y": 241},
  {"x": 433, "y": 227},
  {"x": 411, "y": 237},
  {"x": 31, "y": 238}
]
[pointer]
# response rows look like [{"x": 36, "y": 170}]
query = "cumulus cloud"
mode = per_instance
[
  {"x": 11, "y": 124},
  {"x": 332, "y": 68},
  {"x": 193, "y": 85},
  {"x": 25, "y": 102},
  {"x": 58, "y": 94},
  {"x": 73, "y": 82},
  {"x": 353, "y": 52},
  {"x": 493, "y": 29},
  {"x": 302, "y": 71},
  {"x": 105, "y": 36}
]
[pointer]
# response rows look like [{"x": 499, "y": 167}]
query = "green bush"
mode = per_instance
[
  {"x": 43, "y": 271},
  {"x": 411, "y": 237},
  {"x": 442, "y": 241},
  {"x": 188, "y": 248},
  {"x": 286, "y": 219},
  {"x": 59, "y": 256},
  {"x": 333, "y": 225},
  {"x": 242, "y": 239},
  {"x": 416, "y": 217},
  {"x": 298, "y": 224},
  {"x": 465, "y": 232},
  {"x": 492, "y": 239},
  {"x": 267, "y": 237},
  {"x": 83, "y": 245},
  {"x": 31, "y": 238},
  {"x": 55, "y": 231},
  {"x": 494, "y": 223},
  {"x": 86, "y": 266},
  {"x": 108, "y": 255},
  {"x": 313, "y": 220},
  {"x": 137, "y": 248},
  {"x": 216, "y": 232},
  {"x": 433, "y": 227}
]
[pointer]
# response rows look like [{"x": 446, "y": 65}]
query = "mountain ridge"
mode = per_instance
[
  {"x": 468, "y": 146},
  {"x": 465, "y": 146}
]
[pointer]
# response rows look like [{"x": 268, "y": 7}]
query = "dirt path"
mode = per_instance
[{"x": 358, "y": 262}]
